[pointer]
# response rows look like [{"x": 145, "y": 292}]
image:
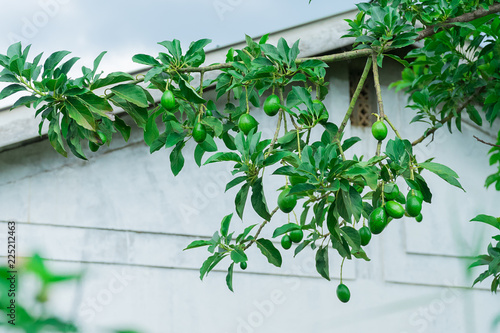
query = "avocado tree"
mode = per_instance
[{"x": 343, "y": 201}]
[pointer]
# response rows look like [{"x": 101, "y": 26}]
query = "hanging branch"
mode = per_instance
[{"x": 355, "y": 96}]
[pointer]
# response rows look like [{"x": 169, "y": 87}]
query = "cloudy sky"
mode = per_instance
[{"x": 125, "y": 28}]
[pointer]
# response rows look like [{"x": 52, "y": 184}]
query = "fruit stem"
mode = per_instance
[
  {"x": 379, "y": 148},
  {"x": 276, "y": 133},
  {"x": 281, "y": 109},
  {"x": 294, "y": 123},
  {"x": 248, "y": 105},
  {"x": 298, "y": 144},
  {"x": 382, "y": 194},
  {"x": 201, "y": 82},
  {"x": 376, "y": 79},
  {"x": 341, "y": 269},
  {"x": 392, "y": 126},
  {"x": 355, "y": 96},
  {"x": 341, "y": 150}
]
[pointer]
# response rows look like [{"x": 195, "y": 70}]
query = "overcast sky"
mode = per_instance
[{"x": 125, "y": 28}]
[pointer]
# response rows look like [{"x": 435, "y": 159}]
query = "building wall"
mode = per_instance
[{"x": 124, "y": 219}]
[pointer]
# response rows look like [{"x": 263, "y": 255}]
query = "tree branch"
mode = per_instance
[
  {"x": 448, "y": 117},
  {"x": 349, "y": 55},
  {"x": 355, "y": 96},
  {"x": 260, "y": 229},
  {"x": 486, "y": 143},
  {"x": 467, "y": 17}
]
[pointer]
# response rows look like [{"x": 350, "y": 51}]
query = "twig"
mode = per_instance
[
  {"x": 486, "y": 143},
  {"x": 260, "y": 229},
  {"x": 467, "y": 17},
  {"x": 392, "y": 126},
  {"x": 355, "y": 96},
  {"x": 448, "y": 117},
  {"x": 276, "y": 133},
  {"x": 378, "y": 90}
]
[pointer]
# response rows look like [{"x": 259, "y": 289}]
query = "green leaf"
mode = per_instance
[
  {"x": 11, "y": 90},
  {"x": 276, "y": 157},
  {"x": 209, "y": 144},
  {"x": 229, "y": 277},
  {"x": 151, "y": 132},
  {"x": 25, "y": 100},
  {"x": 66, "y": 67},
  {"x": 54, "y": 59},
  {"x": 352, "y": 237},
  {"x": 474, "y": 115},
  {"x": 55, "y": 138},
  {"x": 224, "y": 225},
  {"x": 482, "y": 260},
  {"x": 259, "y": 201},
  {"x": 223, "y": 157},
  {"x": 269, "y": 251},
  {"x": 176, "y": 159},
  {"x": 284, "y": 229},
  {"x": 112, "y": 78},
  {"x": 234, "y": 182},
  {"x": 210, "y": 263},
  {"x": 442, "y": 171},
  {"x": 241, "y": 199},
  {"x": 80, "y": 113},
  {"x": 189, "y": 93},
  {"x": 73, "y": 141},
  {"x": 95, "y": 103},
  {"x": 302, "y": 187},
  {"x": 322, "y": 265},
  {"x": 197, "y": 47},
  {"x": 214, "y": 123},
  {"x": 350, "y": 142},
  {"x": 198, "y": 154},
  {"x": 145, "y": 59},
  {"x": 198, "y": 243},
  {"x": 238, "y": 255},
  {"x": 245, "y": 233},
  {"x": 493, "y": 221},
  {"x": 97, "y": 62},
  {"x": 14, "y": 49},
  {"x": 174, "y": 47},
  {"x": 132, "y": 93},
  {"x": 301, "y": 246}
]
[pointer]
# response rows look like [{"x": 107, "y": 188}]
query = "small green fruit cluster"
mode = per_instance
[
  {"x": 379, "y": 218},
  {"x": 294, "y": 236}
]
